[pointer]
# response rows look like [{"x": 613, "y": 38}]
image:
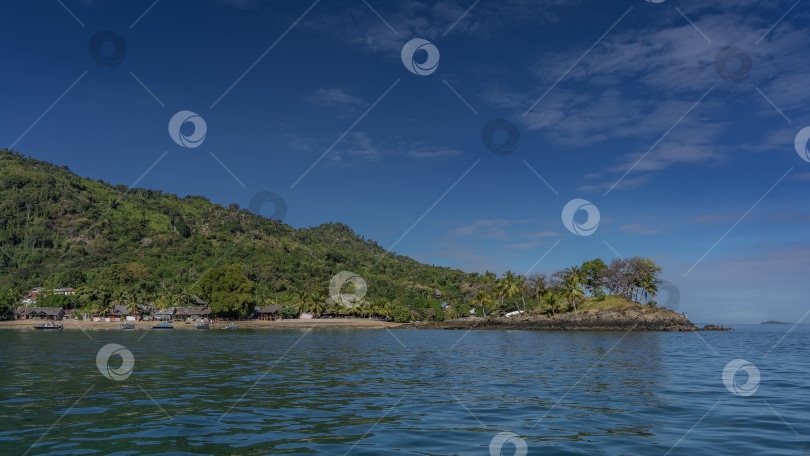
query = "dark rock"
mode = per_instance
[{"x": 629, "y": 318}]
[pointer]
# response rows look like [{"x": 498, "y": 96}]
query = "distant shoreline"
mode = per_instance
[
  {"x": 628, "y": 318},
  {"x": 354, "y": 323}
]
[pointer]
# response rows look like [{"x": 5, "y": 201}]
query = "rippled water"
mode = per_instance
[{"x": 409, "y": 392}]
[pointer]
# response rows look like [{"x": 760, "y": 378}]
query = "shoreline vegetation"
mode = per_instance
[
  {"x": 81, "y": 247},
  {"x": 629, "y": 318}
]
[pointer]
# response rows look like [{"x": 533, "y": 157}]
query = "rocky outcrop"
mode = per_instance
[{"x": 628, "y": 318}]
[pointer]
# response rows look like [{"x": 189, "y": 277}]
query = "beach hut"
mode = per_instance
[
  {"x": 163, "y": 314},
  {"x": 43, "y": 313},
  {"x": 269, "y": 313},
  {"x": 192, "y": 312}
]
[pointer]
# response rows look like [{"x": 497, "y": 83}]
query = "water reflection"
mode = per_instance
[{"x": 421, "y": 392}]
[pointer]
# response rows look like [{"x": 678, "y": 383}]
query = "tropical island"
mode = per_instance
[{"x": 132, "y": 252}]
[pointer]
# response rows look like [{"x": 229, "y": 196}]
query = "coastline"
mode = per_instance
[
  {"x": 246, "y": 324},
  {"x": 628, "y": 318}
]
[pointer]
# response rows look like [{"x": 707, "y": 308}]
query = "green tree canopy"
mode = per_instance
[{"x": 228, "y": 290}]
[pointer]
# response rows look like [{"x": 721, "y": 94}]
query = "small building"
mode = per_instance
[
  {"x": 65, "y": 291},
  {"x": 33, "y": 296},
  {"x": 41, "y": 313},
  {"x": 119, "y": 311},
  {"x": 269, "y": 313},
  {"x": 191, "y": 312},
  {"x": 30, "y": 298},
  {"x": 163, "y": 314}
]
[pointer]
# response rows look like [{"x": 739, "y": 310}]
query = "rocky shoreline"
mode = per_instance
[{"x": 629, "y": 318}]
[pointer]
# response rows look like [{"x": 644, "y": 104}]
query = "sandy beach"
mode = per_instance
[{"x": 354, "y": 323}]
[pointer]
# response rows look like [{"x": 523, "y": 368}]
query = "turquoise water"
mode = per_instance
[{"x": 406, "y": 392}]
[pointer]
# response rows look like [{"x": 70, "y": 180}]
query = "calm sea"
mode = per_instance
[{"x": 405, "y": 392}]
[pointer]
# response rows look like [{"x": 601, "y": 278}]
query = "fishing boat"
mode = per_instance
[
  {"x": 164, "y": 325},
  {"x": 128, "y": 326},
  {"x": 202, "y": 324},
  {"x": 231, "y": 326},
  {"x": 49, "y": 325}
]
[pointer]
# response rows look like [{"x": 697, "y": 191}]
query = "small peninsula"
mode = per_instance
[{"x": 81, "y": 250}]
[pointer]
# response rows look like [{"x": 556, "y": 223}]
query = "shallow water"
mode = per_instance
[{"x": 407, "y": 392}]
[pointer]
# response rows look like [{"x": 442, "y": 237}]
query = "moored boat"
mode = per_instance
[
  {"x": 128, "y": 326},
  {"x": 202, "y": 325},
  {"x": 164, "y": 325},
  {"x": 49, "y": 325},
  {"x": 231, "y": 326}
]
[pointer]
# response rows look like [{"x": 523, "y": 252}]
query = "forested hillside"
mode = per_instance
[{"x": 115, "y": 243}]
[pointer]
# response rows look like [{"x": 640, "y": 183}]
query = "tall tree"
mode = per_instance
[
  {"x": 482, "y": 298},
  {"x": 551, "y": 301},
  {"x": 511, "y": 286},
  {"x": 228, "y": 290},
  {"x": 573, "y": 290},
  {"x": 593, "y": 272}
]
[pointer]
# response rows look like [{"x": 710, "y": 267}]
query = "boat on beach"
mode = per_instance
[
  {"x": 231, "y": 326},
  {"x": 49, "y": 325},
  {"x": 164, "y": 325},
  {"x": 202, "y": 324},
  {"x": 128, "y": 326}
]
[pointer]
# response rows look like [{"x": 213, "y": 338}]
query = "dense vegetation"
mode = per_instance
[{"x": 122, "y": 246}]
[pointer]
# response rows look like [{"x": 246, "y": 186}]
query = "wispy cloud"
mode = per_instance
[
  {"x": 640, "y": 228},
  {"x": 637, "y": 83},
  {"x": 714, "y": 219},
  {"x": 358, "y": 26},
  {"x": 336, "y": 96},
  {"x": 359, "y": 147}
]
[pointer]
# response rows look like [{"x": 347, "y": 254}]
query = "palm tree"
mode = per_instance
[
  {"x": 163, "y": 301},
  {"x": 333, "y": 307},
  {"x": 511, "y": 286},
  {"x": 316, "y": 308},
  {"x": 500, "y": 291},
  {"x": 122, "y": 298},
  {"x": 520, "y": 282},
  {"x": 300, "y": 300},
  {"x": 576, "y": 271},
  {"x": 132, "y": 307},
  {"x": 552, "y": 301},
  {"x": 573, "y": 290},
  {"x": 483, "y": 298},
  {"x": 650, "y": 289},
  {"x": 385, "y": 310}
]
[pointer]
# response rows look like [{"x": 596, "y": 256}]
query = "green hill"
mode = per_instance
[{"x": 61, "y": 230}]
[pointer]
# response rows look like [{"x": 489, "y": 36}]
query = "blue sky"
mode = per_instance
[{"x": 618, "y": 103}]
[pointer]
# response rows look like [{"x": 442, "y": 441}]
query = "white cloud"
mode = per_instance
[
  {"x": 358, "y": 148},
  {"x": 639, "y": 228},
  {"x": 336, "y": 96}
]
